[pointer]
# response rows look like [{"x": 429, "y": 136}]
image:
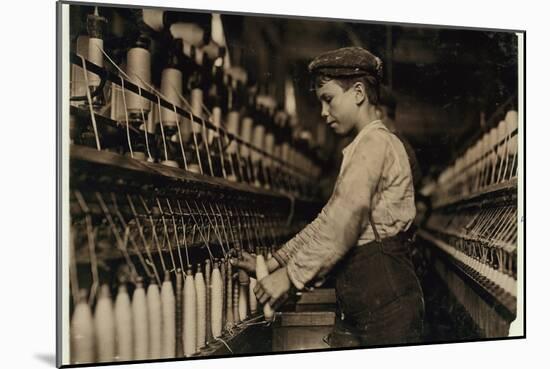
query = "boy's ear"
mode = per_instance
[{"x": 360, "y": 93}]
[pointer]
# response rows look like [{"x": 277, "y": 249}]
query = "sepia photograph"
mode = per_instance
[{"x": 240, "y": 184}]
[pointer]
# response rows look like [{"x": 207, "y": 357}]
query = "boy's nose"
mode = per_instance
[{"x": 324, "y": 110}]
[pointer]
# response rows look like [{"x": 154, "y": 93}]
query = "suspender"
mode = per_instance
[
  {"x": 374, "y": 230},
  {"x": 376, "y": 235}
]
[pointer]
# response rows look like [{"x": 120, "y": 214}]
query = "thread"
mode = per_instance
[
  {"x": 208, "y": 302},
  {"x": 154, "y": 18},
  {"x": 233, "y": 118},
  {"x": 230, "y": 319},
  {"x": 216, "y": 120},
  {"x": 511, "y": 119},
  {"x": 189, "y": 315},
  {"x": 270, "y": 147},
  {"x": 78, "y": 82},
  {"x": 171, "y": 87},
  {"x": 243, "y": 302},
  {"x": 123, "y": 325},
  {"x": 224, "y": 298},
  {"x": 82, "y": 332},
  {"x": 138, "y": 64},
  {"x": 141, "y": 323},
  {"x": 104, "y": 324},
  {"x": 95, "y": 56},
  {"x": 236, "y": 294},
  {"x": 168, "y": 318},
  {"x": 217, "y": 302},
  {"x": 252, "y": 297},
  {"x": 201, "y": 307},
  {"x": 154, "y": 311},
  {"x": 502, "y": 149},
  {"x": 191, "y": 33},
  {"x": 196, "y": 107},
  {"x": 89, "y": 98},
  {"x": 246, "y": 135},
  {"x": 179, "y": 313}
]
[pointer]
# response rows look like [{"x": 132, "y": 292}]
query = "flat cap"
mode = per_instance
[{"x": 347, "y": 62}]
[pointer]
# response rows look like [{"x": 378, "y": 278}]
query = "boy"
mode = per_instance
[{"x": 360, "y": 233}]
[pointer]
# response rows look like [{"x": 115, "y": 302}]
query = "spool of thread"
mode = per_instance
[
  {"x": 285, "y": 152},
  {"x": 104, "y": 324},
  {"x": 479, "y": 164},
  {"x": 493, "y": 142},
  {"x": 244, "y": 281},
  {"x": 152, "y": 118},
  {"x": 171, "y": 87},
  {"x": 252, "y": 297},
  {"x": 118, "y": 111},
  {"x": 154, "y": 310},
  {"x": 513, "y": 157},
  {"x": 236, "y": 294},
  {"x": 233, "y": 118},
  {"x": 154, "y": 18},
  {"x": 189, "y": 315},
  {"x": 270, "y": 146},
  {"x": 262, "y": 272},
  {"x": 258, "y": 141},
  {"x": 503, "y": 143},
  {"x": 201, "y": 308},
  {"x": 217, "y": 121},
  {"x": 115, "y": 98},
  {"x": 217, "y": 302},
  {"x": 141, "y": 323},
  {"x": 179, "y": 313},
  {"x": 123, "y": 326},
  {"x": 511, "y": 120},
  {"x": 95, "y": 45},
  {"x": 224, "y": 297},
  {"x": 78, "y": 82},
  {"x": 484, "y": 149},
  {"x": 246, "y": 135},
  {"x": 196, "y": 108},
  {"x": 467, "y": 172},
  {"x": 82, "y": 332},
  {"x": 208, "y": 302},
  {"x": 243, "y": 302},
  {"x": 191, "y": 33},
  {"x": 229, "y": 318},
  {"x": 168, "y": 302},
  {"x": 138, "y": 64}
]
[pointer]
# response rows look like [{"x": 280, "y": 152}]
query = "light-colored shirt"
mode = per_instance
[{"x": 375, "y": 176}]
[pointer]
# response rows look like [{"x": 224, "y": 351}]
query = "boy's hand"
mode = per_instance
[
  {"x": 273, "y": 287},
  {"x": 246, "y": 263}
]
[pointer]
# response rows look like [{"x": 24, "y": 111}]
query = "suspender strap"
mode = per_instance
[{"x": 376, "y": 235}]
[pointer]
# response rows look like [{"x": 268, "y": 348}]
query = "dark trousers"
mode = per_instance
[{"x": 380, "y": 301}]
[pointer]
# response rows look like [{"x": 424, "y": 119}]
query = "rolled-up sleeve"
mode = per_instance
[{"x": 317, "y": 248}]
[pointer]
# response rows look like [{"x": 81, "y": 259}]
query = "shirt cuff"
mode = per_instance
[{"x": 280, "y": 258}]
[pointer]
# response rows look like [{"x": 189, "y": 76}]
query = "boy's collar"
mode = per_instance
[{"x": 368, "y": 127}]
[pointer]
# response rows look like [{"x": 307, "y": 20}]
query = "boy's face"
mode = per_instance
[{"x": 338, "y": 107}]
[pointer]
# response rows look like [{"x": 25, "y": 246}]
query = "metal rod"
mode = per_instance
[{"x": 142, "y": 235}]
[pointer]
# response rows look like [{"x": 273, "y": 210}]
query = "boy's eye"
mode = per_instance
[{"x": 327, "y": 99}]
